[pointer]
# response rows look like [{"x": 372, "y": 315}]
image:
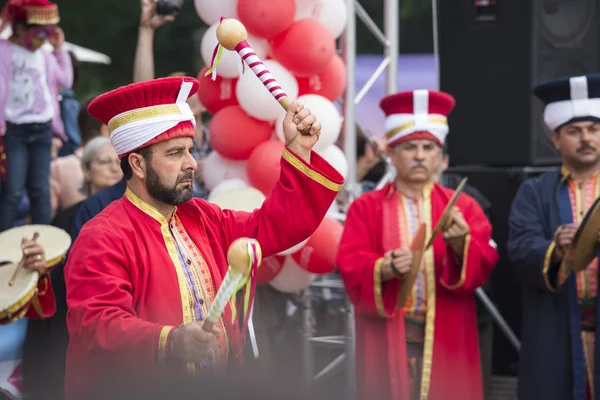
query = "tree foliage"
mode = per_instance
[{"x": 111, "y": 27}]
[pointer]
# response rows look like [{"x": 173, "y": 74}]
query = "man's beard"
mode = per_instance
[{"x": 171, "y": 196}]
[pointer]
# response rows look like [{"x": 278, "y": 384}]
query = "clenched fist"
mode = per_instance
[
  {"x": 191, "y": 343},
  {"x": 562, "y": 238}
]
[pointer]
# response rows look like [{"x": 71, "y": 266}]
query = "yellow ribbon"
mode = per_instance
[
  {"x": 246, "y": 282},
  {"x": 213, "y": 67}
]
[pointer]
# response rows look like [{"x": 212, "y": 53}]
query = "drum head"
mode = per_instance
[
  {"x": 54, "y": 241},
  {"x": 15, "y": 298}
]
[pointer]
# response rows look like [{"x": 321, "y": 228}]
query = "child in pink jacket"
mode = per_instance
[{"x": 30, "y": 79}]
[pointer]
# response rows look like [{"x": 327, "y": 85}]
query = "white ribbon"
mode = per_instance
[{"x": 135, "y": 134}]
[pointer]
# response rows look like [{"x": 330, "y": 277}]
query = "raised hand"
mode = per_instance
[{"x": 296, "y": 119}]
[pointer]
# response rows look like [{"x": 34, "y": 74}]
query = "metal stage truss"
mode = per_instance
[{"x": 389, "y": 39}]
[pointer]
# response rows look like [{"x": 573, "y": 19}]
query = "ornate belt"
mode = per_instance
[{"x": 587, "y": 310}]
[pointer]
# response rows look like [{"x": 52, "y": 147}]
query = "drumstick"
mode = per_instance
[
  {"x": 36, "y": 235},
  {"x": 243, "y": 256},
  {"x": 232, "y": 35}
]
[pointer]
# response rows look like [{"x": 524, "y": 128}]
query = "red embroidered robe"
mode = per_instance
[
  {"x": 451, "y": 367},
  {"x": 127, "y": 287}
]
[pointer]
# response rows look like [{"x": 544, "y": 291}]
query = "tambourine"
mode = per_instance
[{"x": 16, "y": 297}]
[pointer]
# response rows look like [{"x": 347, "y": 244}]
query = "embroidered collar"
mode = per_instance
[
  {"x": 566, "y": 174},
  {"x": 393, "y": 189},
  {"x": 147, "y": 208}
]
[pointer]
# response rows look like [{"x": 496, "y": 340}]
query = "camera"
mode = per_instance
[{"x": 168, "y": 7}]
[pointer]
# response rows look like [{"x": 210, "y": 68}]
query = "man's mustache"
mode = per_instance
[
  {"x": 185, "y": 177},
  {"x": 418, "y": 165},
  {"x": 586, "y": 146}
]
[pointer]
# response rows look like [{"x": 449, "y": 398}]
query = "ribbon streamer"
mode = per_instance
[
  {"x": 248, "y": 283},
  {"x": 216, "y": 58}
]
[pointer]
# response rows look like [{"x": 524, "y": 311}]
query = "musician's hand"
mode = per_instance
[
  {"x": 296, "y": 119},
  {"x": 456, "y": 232},
  {"x": 563, "y": 236},
  {"x": 191, "y": 343},
  {"x": 34, "y": 257},
  {"x": 395, "y": 263}
]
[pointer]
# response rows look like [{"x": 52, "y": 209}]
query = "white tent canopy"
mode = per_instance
[{"x": 81, "y": 53}]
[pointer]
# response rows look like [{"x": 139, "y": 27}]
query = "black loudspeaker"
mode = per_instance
[
  {"x": 499, "y": 186},
  {"x": 491, "y": 54}
]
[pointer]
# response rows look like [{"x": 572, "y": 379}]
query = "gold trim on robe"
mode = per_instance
[
  {"x": 463, "y": 271},
  {"x": 546, "y": 268},
  {"x": 378, "y": 290},
  {"x": 312, "y": 174},
  {"x": 430, "y": 316},
  {"x": 163, "y": 342},
  {"x": 187, "y": 311}
]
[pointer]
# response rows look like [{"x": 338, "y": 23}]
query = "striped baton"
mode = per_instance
[{"x": 232, "y": 36}]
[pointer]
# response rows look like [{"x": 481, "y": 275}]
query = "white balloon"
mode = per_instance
[
  {"x": 331, "y": 13},
  {"x": 292, "y": 278},
  {"x": 293, "y": 249},
  {"x": 229, "y": 65},
  {"x": 244, "y": 199},
  {"x": 256, "y": 99},
  {"x": 336, "y": 157},
  {"x": 325, "y": 112},
  {"x": 335, "y": 212},
  {"x": 217, "y": 169},
  {"x": 211, "y": 11},
  {"x": 226, "y": 186}
]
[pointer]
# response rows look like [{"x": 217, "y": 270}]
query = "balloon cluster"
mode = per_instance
[{"x": 295, "y": 39}]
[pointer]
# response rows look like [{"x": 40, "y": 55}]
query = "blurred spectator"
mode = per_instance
[
  {"x": 69, "y": 113},
  {"x": 66, "y": 176},
  {"x": 29, "y": 81},
  {"x": 100, "y": 169}
]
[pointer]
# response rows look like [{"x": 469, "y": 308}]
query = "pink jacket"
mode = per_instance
[{"x": 59, "y": 75}]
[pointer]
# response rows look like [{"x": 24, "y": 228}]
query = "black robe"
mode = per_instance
[{"x": 551, "y": 361}]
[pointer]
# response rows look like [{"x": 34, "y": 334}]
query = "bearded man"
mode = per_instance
[{"x": 143, "y": 273}]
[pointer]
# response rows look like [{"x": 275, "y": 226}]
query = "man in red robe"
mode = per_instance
[
  {"x": 426, "y": 348},
  {"x": 142, "y": 274}
]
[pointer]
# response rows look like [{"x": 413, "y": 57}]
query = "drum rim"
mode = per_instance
[
  {"x": 55, "y": 258},
  {"x": 22, "y": 303}
]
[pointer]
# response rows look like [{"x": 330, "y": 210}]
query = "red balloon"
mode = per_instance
[
  {"x": 234, "y": 134},
  {"x": 305, "y": 49},
  {"x": 266, "y": 18},
  {"x": 217, "y": 94},
  {"x": 269, "y": 268},
  {"x": 330, "y": 83},
  {"x": 263, "y": 165},
  {"x": 318, "y": 256}
]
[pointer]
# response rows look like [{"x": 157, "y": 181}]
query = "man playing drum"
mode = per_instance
[
  {"x": 143, "y": 273},
  {"x": 21, "y": 295}
]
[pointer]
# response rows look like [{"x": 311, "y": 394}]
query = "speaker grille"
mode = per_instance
[{"x": 566, "y": 22}]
